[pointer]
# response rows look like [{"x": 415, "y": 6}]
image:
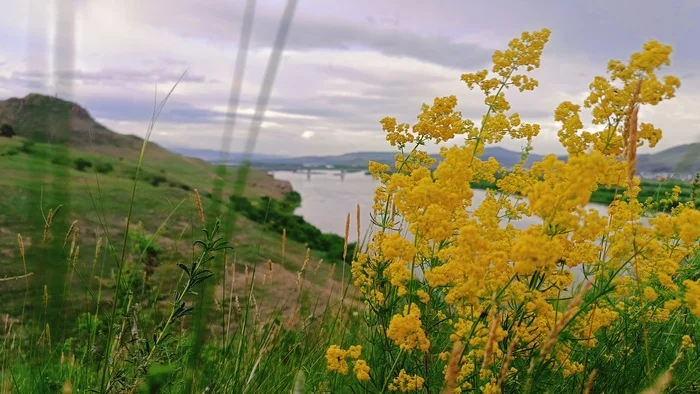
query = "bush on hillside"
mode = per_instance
[
  {"x": 27, "y": 147},
  {"x": 157, "y": 180},
  {"x": 82, "y": 164},
  {"x": 60, "y": 160},
  {"x": 104, "y": 168},
  {"x": 7, "y": 131},
  {"x": 278, "y": 216}
]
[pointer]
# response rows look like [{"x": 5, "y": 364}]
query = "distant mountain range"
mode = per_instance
[
  {"x": 47, "y": 118},
  {"x": 506, "y": 157},
  {"x": 682, "y": 160}
]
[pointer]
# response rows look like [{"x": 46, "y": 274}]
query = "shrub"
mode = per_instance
[
  {"x": 278, "y": 216},
  {"x": 11, "y": 152},
  {"x": 27, "y": 147},
  {"x": 7, "y": 131},
  {"x": 104, "y": 168},
  {"x": 157, "y": 180},
  {"x": 60, "y": 160},
  {"x": 82, "y": 164}
]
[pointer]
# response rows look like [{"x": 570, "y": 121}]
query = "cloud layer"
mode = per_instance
[{"x": 346, "y": 65}]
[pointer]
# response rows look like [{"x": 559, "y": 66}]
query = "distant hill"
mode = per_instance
[
  {"x": 214, "y": 156},
  {"x": 52, "y": 120},
  {"x": 355, "y": 159},
  {"x": 49, "y": 119},
  {"x": 683, "y": 159}
]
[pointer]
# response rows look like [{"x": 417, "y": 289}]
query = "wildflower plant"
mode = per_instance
[{"x": 458, "y": 298}]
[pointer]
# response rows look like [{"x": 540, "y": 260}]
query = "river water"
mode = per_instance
[{"x": 327, "y": 196}]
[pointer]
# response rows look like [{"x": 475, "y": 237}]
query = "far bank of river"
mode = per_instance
[{"x": 327, "y": 198}]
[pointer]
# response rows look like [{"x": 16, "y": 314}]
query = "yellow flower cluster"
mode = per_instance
[
  {"x": 406, "y": 331},
  {"x": 610, "y": 100},
  {"x": 443, "y": 273},
  {"x": 336, "y": 359},
  {"x": 692, "y": 296},
  {"x": 406, "y": 383},
  {"x": 361, "y": 370}
]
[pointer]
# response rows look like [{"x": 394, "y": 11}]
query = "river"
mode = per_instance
[{"x": 327, "y": 198}]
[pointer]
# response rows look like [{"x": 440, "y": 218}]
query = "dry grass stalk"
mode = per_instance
[
  {"x": 357, "y": 246},
  {"x": 230, "y": 299},
  {"x": 306, "y": 260},
  {"x": 98, "y": 248},
  {"x": 347, "y": 235},
  {"x": 665, "y": 379},
  {"x": 284, "y": 243},
  {"x": 631, "y": 131},
  {"x": 488, "y": 355},
  {"x": 24, "y": 260},
  {"x": 559, "y": 326},
  {"x": 506, "y": 363},
  {"x": 258, "y": 321},
  {"x": 198, "y": 202},
  {"x": 47, "y": 226},
  {"x": 74, "y": 241},
  {"x": 293, "y": 317},
  {"x": 45, "y": 298},
  {"x": 67, "y": 387},
  {"x": 9, "y": 278},
  {"x": 330, "y": 277},
  {"x": 21, "y": 245},
  {"x": 238, "y": 306},
  {"x": 589, "y": 384},
  {"x": 453, "y": 368},
  {"x": 76, "y": 253},
  {"x": 318, "y": 265},
  {"x": 68, "y": 234}
]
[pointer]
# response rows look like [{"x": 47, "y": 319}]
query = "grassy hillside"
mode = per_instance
[
  {"x": 88, "y": 183},
  {"x": 679, "y": 159}
]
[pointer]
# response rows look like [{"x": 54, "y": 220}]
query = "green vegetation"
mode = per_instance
[
  {"x": 659, "y": 192},
  {"x": 278, "y": 216},
  {"x": 68, "y": 272},
  {"x": 7, "y": 131},
  {"x": 104, "y": 168},
  {"x": 81, "y": 164}
]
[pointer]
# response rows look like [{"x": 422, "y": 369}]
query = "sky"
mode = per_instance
[{"x": 346, "y": 64}]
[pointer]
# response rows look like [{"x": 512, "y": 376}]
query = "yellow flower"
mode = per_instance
[
  {"x": 423, "y": 296},
  {"x": 354, "y": 351},
  {"x": 469, "y": 249},
  {"x": 692, "y": 296},
  {"x": 687, "y": 342},
  {"x": 406, "y": 331},
  {"x": 650, "y": 294},
  {"x": 405, "y": 382},
  {"x": 672, "y": 305},
  {"x": 335, "y": 357},
  {"x": 361, "y": 370},
  {"x": 491, "y": 387}
]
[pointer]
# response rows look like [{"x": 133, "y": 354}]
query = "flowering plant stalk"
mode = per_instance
[{"x": 579, "y": 302}]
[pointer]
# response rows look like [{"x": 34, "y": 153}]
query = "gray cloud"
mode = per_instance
[
  {"x": 221, "y": 21},
  {"x": 349, "y": 64},
  {"x": 154, "y": 75}
]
